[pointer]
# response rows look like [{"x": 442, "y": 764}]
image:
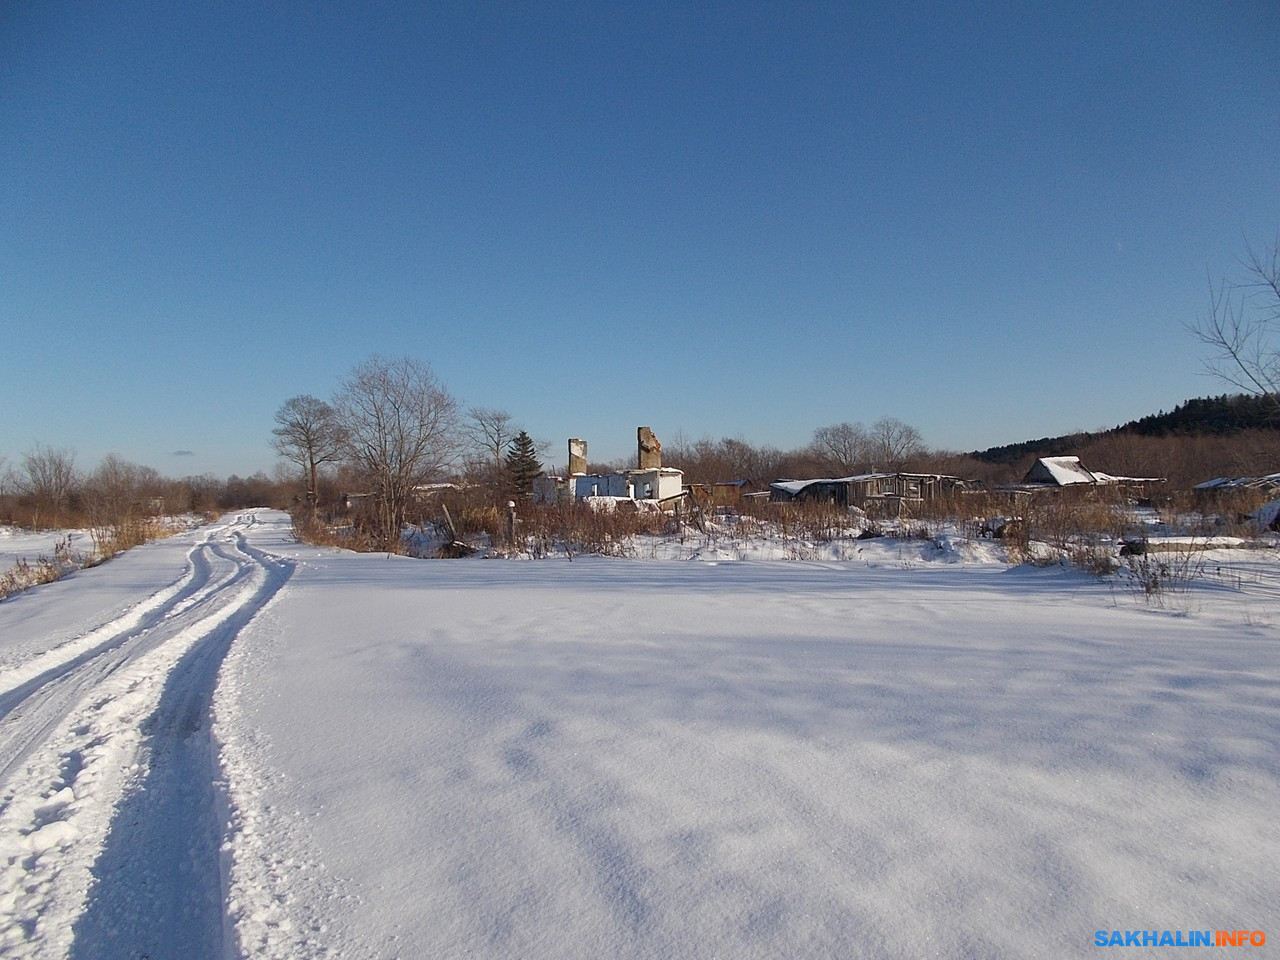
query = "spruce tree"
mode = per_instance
[{"x": 522, "y": 465}]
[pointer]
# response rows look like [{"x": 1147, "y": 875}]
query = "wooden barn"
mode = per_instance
[
  {"x": 1061, "y": 473},
  {"x": 879, "y": 492}
]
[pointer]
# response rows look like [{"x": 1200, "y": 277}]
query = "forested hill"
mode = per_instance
[{"x": 1218, "y": 416}]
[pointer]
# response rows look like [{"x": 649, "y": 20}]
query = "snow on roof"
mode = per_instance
[
  {"x": 1232, "y": 483},
  {"x": 1060, "y": 470},
  {"x": 795, "y": 486},
  {"x": 1265, "y": 515},
  {"x": 1110, "y": 478},
  {"x": 1066, "y": 471},
  {"x": 792, "y": 487}
]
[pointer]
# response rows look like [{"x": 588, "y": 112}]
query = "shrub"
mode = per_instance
[
  {"x": 597, "y": 526},
  {"x": 1155, "y": 575},
  {"x": 24, "y": 573}
]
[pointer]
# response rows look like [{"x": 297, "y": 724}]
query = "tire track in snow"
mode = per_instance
[
  {"x": 116, "y": 783},
  {"x": 19, "y": 681},
  {"x": 30, "y": 710}
]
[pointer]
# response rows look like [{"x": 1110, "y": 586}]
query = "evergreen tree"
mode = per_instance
[{"x": 522, "y": 465}]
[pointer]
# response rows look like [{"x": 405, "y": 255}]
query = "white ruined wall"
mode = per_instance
[
  {"x": 633, "y": 484},
  {"x": 657, "y": 484},
  {"x": 670, "y": 482},
  {"x": 596, "y": 485},
  {"x": 587, "y": 485}
]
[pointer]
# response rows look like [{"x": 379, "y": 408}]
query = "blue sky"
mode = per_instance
[{"x": 989, "y": 220}]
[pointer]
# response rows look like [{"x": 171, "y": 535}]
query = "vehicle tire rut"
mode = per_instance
[{"x": 108, "y": 774}]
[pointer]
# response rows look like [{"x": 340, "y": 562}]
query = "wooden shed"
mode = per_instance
[{"x": 895, "y": 491}]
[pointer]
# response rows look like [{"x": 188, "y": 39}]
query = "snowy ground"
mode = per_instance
[
  {"x": 61, "y": 550},
  {"x": 18, "y": 544},
  {"x": 230, "y": 745}
]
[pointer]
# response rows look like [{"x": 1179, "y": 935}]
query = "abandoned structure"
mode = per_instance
[
  {"x": 659, "y": 483},
  {"x": 649, "y": 481},
  {"x": 577, "y": 456},
  {"x": 725, "y": 493},
  {"x": 1060, "y": 472},
  {"x": 1268, "y": 484},
  {"x": 424, "y": 494},
  {"x": 881, "y": 492},
  {"x": 648, "y": 449},
  {"x": 1049, "y": 472},
  {"x": 1240, "y": 496}
]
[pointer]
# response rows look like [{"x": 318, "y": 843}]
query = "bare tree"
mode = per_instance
[
  {"x": 489, "y": 432},
  {"x": 400, "y": 427},
  {"x": 49, "y": 480},
  {"x": 747, "y": 462},
  {"x": 199, "y": 494},
  {"x": 119, "y": 495},
  {"x": 1240, "y": 326},
  {"x": 893, "y": 444},
  {"x": 845, "y": 445},
  {"x": 113, "y": 491},
  {"x": 714, "y": 461},
  {"x": 309, "y": 435}
]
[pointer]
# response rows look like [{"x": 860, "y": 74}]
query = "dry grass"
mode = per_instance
[
  {"x": 109, "y": 540},
  {"x": 1162, "y": 578},
  {"x": 113, "y": 538},
  {"x": 813, "y": 522},
  {"x": 350, "y": 534},
  {"x": 25, "y": 574},
  {"x": 581, "y": 527}
]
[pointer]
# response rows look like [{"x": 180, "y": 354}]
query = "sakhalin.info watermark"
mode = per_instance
[{"x": 1179, "y": 938}]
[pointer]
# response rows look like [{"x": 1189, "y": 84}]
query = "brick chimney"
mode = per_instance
[
  {"x": 577, "y": 456},
  {"x": 650, "y": 450}
]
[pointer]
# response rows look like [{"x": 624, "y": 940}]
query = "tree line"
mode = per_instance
[
  {"x": 45, "y": 489},
  {"x": 392, "y": 427},
  {"x": 1226, "y": 416}
]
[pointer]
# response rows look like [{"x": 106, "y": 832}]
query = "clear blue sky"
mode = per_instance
[{"x": 748, "y": 219}]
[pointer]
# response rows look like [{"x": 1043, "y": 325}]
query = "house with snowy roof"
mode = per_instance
[
  {"x": 1060, "y": 472},
  {"x": 882, "y": 491},
  {"x": 1049, "y": 473}
]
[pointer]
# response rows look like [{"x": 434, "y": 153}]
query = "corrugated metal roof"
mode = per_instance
[{"x": 1237, "y": 483}]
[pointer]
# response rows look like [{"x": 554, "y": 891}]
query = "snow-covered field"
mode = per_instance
[
  {"x": 17, "y": 544},
  {"x": 227, "y": 744}
]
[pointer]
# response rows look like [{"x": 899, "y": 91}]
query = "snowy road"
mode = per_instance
[
  {"x": 231, "y": 745},
  {"x": 107, "y": 769}
]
